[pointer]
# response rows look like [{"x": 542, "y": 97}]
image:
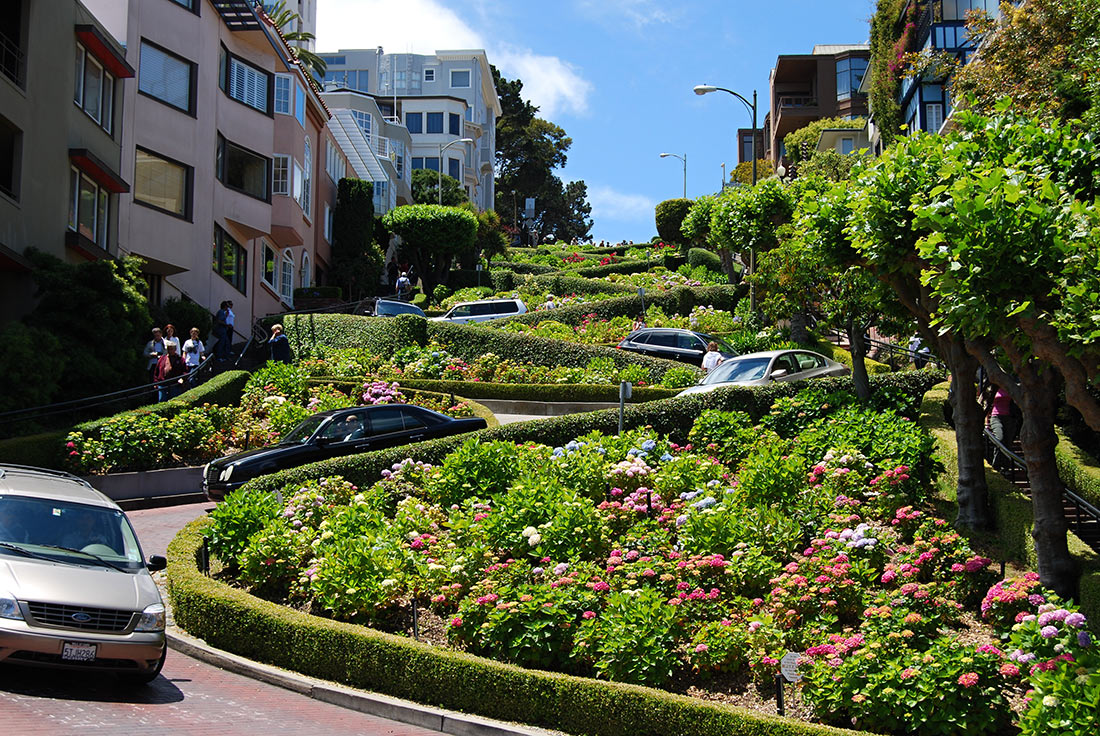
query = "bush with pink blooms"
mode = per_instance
[{"x": 636, "y": 559}]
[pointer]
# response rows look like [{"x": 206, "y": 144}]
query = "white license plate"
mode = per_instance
[{"x": 77, "y": 652}]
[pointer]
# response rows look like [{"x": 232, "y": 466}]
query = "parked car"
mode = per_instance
[
  {"x": 483, "y": 310},
  {"x": 392, "y": 308},
  {"x": 674, "y": 344},
  {"x": 333, "y": 434},
  {"x": 75, "y": 590},
  {"x": 759, "y": 369}
]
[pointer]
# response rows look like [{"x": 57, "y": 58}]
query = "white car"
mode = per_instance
[
  {"x": 760, "y": 369},
  {"x": 75, "y": 592},
  {"x": 483, "y": 310}
]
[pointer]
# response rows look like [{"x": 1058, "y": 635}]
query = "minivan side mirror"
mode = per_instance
[{"x": 157, "y": 563}]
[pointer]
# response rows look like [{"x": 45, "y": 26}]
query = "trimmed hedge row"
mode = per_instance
[
  {"x": 680, "y": 300},
  {"x": 224, "y": 388},
  {"x": 840, "y": 355},
  {"x": 40, "y": 450},
  {"x": 1079, "y": 470},
  {"x": 624, "y": 267},
  {"x": 564, "y": 283},
  {"x": 1011, "y": 508},
  {"x": 233, "y": 620},
  {"x": 568, "y": 392},
  {"x": 384, "y": 335},
  {"x": 673, "y": 417}
]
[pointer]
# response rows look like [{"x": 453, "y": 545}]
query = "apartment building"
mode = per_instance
[
  {"x": 807, "y": 87},
  {"x": 62, "y": 82},
  {"x": 441, "y": 99},
  {"x": 226, "y": 141},
  {"x": 376, "y": 148},
  {"x": 940, "y": 26}
]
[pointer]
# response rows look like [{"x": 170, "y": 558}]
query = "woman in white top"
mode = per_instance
[
  {"x": 712, "y": 358},
  {"x": 193, "y": 350},
  {"x": 170, "y": 336}
]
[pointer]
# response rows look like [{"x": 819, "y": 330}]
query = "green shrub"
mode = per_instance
[
  {"x": 702, "y": 257},
  {"x": 679, "y": 300},
  {"x": 408, "y": 330},
  {"x": 841, "y": 355},
  {"x": 633, "y": 640},
  {"x": 241, "y": 515},
  {"x": 39, "y": 450},
  {"x": 669, "y": 215},
  {"x": 728, "y": 435},
  {"x": 183, "y": 314}
]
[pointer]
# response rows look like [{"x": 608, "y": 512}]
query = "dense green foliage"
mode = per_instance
[
  {"x": 669, "y": 215},
  {"x": 425, "y": 188},
  {"x": 184, "y": 315},
  {"x": 432, "y": 238},
  {"x": 801, "y": 144},
  {"x": 356, "y": 256},
  {"x": 883, "y": 68}
]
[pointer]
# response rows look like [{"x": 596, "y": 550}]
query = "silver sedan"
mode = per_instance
[{"x": 759, "y": 369}]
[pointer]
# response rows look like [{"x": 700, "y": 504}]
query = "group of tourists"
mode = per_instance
[{"x": 169, "y": 363}]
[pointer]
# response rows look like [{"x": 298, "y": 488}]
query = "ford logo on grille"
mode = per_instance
[{"x": 81, "y": 618}]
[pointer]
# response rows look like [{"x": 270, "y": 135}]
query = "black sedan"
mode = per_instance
[
  {"x": 332, "y": 434},
  {"x": 674, "y": 344}
]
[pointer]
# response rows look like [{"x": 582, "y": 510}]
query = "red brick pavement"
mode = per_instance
[{"x": 190, "y": 697}]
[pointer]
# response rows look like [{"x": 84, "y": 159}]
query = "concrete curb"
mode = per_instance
[{"x": 375, "y": 704}]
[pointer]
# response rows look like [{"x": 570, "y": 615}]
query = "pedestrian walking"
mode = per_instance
[
  {"x": 170, "y": 372},
  {"x": 919, "y": 352},
  {"x": 279, "y": 344},
  {"x": 404, "y": 287},
  {"x": 221, "y": 335},
  {"x": 153, "y": 350},
  {"x": 1003, "y": 422},
  {"x": 712, "y": 358}
]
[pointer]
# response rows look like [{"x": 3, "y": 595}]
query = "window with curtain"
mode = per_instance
[
  {"x": 162, "y": 183},
  {"x": 166, "y": 77}
]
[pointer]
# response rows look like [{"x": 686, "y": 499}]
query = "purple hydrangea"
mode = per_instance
[
  {"x": 1076, "y": 620},
  {"x": 1049, "y": 631},
  {"x": 1083, "y": 639}
]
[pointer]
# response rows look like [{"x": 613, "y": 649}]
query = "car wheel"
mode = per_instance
[{"x": 141, "y": 679}]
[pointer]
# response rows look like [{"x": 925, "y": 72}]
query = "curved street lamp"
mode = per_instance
[
  {"x": 705, "y": 89},
  {"x": 684, "y": 159},
  {"x": 443, "y": 148}
]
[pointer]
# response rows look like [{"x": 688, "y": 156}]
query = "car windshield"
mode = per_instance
[
  {"x": 741, "y": 369},
  {"x": 301, "y": 434},
  {"x": 67, "y": 532}
]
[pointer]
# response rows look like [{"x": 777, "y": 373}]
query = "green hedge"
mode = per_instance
[
  {"x": 680, "y": 300},
  {"x": 233, "y": 620},
  {"x": 568, "y": 392},
  {"x": 1079, "y": 470},
  {"x": 1011, "y": 508},
  {"x": 673, "y": 416},
  {"x": 625, "y": 267},
  {"x": 40, "y": 450},
  {"x": 317, "y": 332},
  {"x": 224, "y": 388},
  {"x": 703, "y": 257},
  {"x": 564, "y": 283},
  {"x": 840, "y": 355}
]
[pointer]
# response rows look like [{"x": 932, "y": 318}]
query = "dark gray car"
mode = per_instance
[{"x": 674, "y": 344}]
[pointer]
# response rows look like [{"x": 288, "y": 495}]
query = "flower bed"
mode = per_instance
[
  {"x": 634, "y": 559},
  {"x": 275, "y": 400}
]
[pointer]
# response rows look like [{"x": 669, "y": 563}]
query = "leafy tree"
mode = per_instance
[
  {"x": 356, "y": 256},
  {"x": 528, "y": 150},
  {"x": 491, "y": 238},
  {"x": 830, "y": 164},
  {"x": 747, "y": 219},
  {"x": 1042, "y": 55},
  {"x": 425, "y": 189},
  {"x": 432, "y": 237},
  {"x": 801, "y": 144},
  {"x": 742, "y": 173},
  {"x": 287, "y": 21},
  {"x": 669, "y": 216}
]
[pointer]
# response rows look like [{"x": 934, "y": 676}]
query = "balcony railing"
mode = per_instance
[
  {"x": 12, "y": 60},
  {"x": 796, "y": 102}
]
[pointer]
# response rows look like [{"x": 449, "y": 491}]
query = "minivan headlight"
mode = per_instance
[
  {"x": 152, "y": 618},
  {"x": 9, "y": 608}
]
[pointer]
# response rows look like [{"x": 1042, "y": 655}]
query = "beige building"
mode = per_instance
[
  {"x": 225, "y": 142},
  {"x": 62, "y": 91}
]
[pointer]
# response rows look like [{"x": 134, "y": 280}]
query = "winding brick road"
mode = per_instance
[{"x": 189, "y": 697}]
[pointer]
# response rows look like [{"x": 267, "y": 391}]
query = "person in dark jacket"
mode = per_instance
[
  {"x": 279, "y": 344},
  {"x": 170, "y": 372}
]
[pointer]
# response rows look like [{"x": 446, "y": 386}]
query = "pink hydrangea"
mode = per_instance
[{"x": 968, "y": 679}]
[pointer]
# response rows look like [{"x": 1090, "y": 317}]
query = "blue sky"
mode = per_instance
[{"x": 617, "y": 75}]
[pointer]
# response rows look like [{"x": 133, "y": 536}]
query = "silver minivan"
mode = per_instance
[
  {"x": 75, "y": 590},
  {"x": 483, "y": 310}
]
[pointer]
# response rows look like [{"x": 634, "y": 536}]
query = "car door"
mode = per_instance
[
  {"x": 813, "y": 366},
  {"x": 391, "y": 426},
  {"x": 460, "y": 314},
  {"x": 345, "y": 435},
  {"x": 787, "y": 362},
  {"x": 663, "y": 344},
  {"x": 691, "y": 348},
  {"x": 636, "y": 344}
]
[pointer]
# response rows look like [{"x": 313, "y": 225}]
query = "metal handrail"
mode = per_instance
[{"x": 1079, "y": 504}]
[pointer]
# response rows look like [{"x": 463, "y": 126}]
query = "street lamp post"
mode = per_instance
[
  {"x": 684, "y": 159},
  {"x": 723, "y": 175},
  {"x": 443, "y": 148},
  {"x": 704, "y": 89}
]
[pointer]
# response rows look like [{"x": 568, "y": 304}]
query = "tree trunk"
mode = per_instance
[
  {"x": 727, "y": 264},
  {"x": 1057, "y": 569},
  {"x": 858, "y": 347},
  {"x": 971, "y": 491},
  {"x": 799, "y": 331}
]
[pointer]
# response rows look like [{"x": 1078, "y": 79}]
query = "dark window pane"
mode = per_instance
[
  {"x": 455, "y": 124},
  {"x": 414, "y": 121},
  {"x": 435, "y": 122}
]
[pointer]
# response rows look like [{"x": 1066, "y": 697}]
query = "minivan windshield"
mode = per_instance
[
  {"x": 67, "y": 532},
  {"x": 301, "y": 434},
  {"x": 738, "y": 369}
]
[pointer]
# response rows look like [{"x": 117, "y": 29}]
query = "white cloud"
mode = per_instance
[
  {"x": 607, "y": 203},
  {"x": 425, "y": 26},
  {"x": 638, "y": 13}
]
